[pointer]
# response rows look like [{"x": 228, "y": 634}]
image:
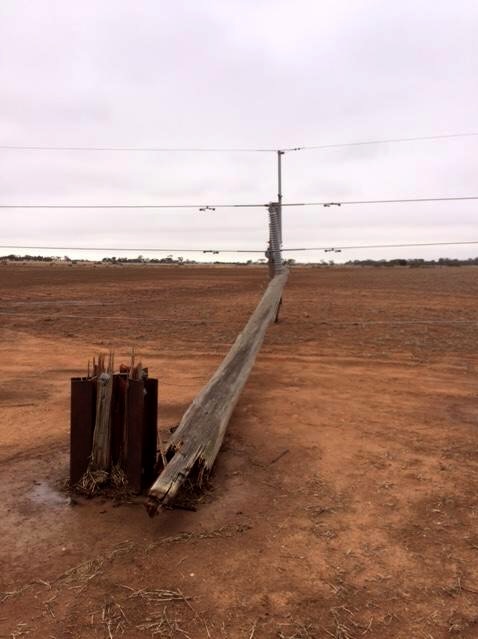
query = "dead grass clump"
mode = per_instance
[
  {"x": 344, "y": 624},
  {"x": 113, "y": 484},
  {"x": 158, "y": 622},
  {"x": 459, "y": 623},
  {"x": 12, "y": 593},
  {"x": 457, "y": 587},
  {"x": 224, "y": 531},
  {"x": 298, "y": 630},
  {"x": 156, "y": 595},
  {"x": 91, "y": 482},
  {"x": 78, "y": 577},
  {"x": 162, "y": 625},
  {"x": 21, "y": 630},
  {"x": 112, "y": 618},
  {"x": 118, "y": 478}
]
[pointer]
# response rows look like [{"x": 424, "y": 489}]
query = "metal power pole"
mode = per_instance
[{"x": 274, "y": 250}]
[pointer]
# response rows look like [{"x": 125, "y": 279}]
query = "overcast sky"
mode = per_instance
[{"x": 238, "y": 73}]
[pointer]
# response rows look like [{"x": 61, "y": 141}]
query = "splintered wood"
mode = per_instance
[
  {"x": 101, "y": 453},
  {"x": 195, "y": 444}
]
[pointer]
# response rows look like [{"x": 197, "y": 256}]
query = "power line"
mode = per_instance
[
  {"x": 394, "y": 201},
  {"x": 333, "y": 248},
  {"x": 212, "y": 207},
  {"x": 160, "y": 149},
  {"x": 202, "y": 207},
  {"x": 140, "y": 250},
  {"x": 147, "y": 149},
  {"x": 386, "y": 141},
  {"x": 131, "y": 249}
]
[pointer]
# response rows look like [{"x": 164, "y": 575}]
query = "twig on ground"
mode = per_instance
[{"x": 276, "y": 459}]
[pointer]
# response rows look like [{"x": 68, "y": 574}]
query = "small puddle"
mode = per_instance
[{"x": 44, "y": 494}]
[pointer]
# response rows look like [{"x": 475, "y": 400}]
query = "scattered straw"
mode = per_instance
[
  {"x": 118, "y": 477},
  {"x": 343, "y": 627},
  {"x": 224, "y": 531},
  {"x": 161, "y": 624},
  {"x": 113, "y": 618},
  {"x": 78, "y": 577},
  {"x": 91, "y": 482},
  {"x": 113, "y": 484},
  {"x": 299, "y": 631},
  {"x": 20, "y": 631},
  {"x": 157, "y": 595},
  {"x": 12, "y": 593}
]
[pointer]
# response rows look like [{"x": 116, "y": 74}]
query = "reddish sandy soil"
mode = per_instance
[{"x": 366, "y": 527}]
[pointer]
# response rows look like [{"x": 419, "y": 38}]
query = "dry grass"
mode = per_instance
[
  {"x": 457, "y": 587},
  {"x": 118, "y": 478},
  {"x": 12, "y": 593},
  {"x": 161, "y": 624},
  {"x": 157, "y": 595},
  {"x": 113, "y": 484},
  {"x": 91, "y": 482},
  {"x": 224, "y": 532},
  {"x": 298, "y": 630},
  {"x": 112, "y": 618},
  {"x": 21, "y": 630},
  {"x": 158, "y": 620},
  {"x": 78, "y": 577},
  {"x": 344, "y": 625}
]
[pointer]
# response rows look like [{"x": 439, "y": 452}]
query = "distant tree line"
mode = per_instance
[
  {"x": 411, "y": 263},
  {"x": 146, "y": 260},
  {"x": 414, "y": 262},
  {"x": 27, "y": 258}
]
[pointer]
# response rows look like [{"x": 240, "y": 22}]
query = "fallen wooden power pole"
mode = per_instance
[{"x": 198, "y": 438}]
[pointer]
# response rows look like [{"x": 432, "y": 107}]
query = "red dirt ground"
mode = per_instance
[{"x": 366, "y": 527}]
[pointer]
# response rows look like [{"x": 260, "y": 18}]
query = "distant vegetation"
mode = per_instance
[
  {"x": 442, "y": 261},
  {"x": 26, "y": 258},
  {"x": 412, "y": 263},
  {"x": 106, "y": 260}
]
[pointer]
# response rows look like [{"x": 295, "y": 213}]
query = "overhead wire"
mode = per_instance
[
  {"x": 326, "y": 248},
  {"x": 206, "y": 208},
  {"x": 167, "y": 149},
  {"x": 389, "y": 201},
  {"x": 130, "y": 249},
  {"x": 154, "y": 149},
  {"x": 339, "y": 248},
  {"x": 421, "y": 138}
]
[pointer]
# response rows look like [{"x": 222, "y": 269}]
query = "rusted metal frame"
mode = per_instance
[{"x": 82, "y": 425}]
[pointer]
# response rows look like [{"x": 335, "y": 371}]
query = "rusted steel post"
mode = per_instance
[
  {"x": 134, "y": 433},
  {"x": 150, "y": 433},
  {"x": 82, "y": 425}
]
